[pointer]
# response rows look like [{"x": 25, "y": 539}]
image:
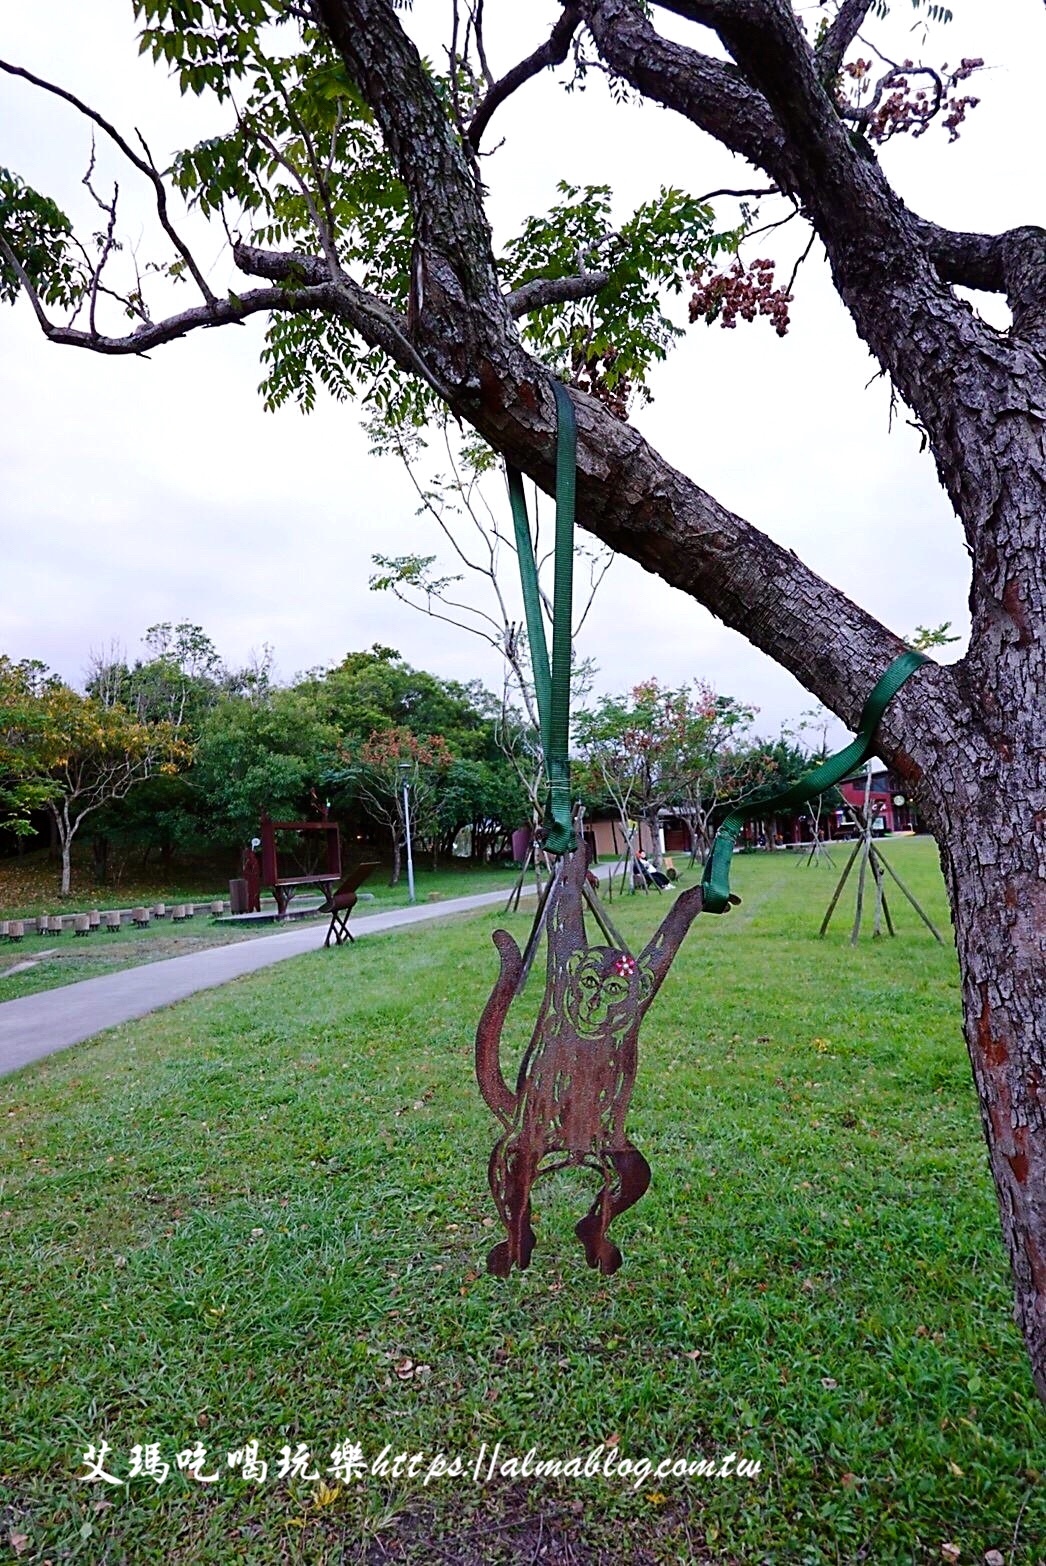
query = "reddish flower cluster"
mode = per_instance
[
  {"x": 955, "y": 105},
  {"x": 390, "y": 748},
  {"x": 908, "y": 107},
  {"x": 857, "y": 69},
  {"x": 742, "y": 291}
]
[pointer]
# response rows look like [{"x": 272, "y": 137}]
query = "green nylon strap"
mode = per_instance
[
  {"x": 531, "y": 602},
  {"x": 552, "y": 683},
  {"x": 716, "y": 883}
]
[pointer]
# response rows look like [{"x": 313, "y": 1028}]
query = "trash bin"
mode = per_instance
[{"x": 239, "y": 897}]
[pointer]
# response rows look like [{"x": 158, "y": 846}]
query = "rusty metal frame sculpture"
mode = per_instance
[
  {"x": 284, "y": 887},
  {"x": 576, "y": 1078}
]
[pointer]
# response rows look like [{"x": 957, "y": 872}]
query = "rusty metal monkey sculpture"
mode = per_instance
[{"x": 576, "y": 1078}]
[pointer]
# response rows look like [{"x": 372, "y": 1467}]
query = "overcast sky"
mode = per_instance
[{"x": 138, "y": 491}]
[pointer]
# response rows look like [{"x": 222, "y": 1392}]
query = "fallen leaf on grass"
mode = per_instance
[
  {"x": 19, "y": 1542},
  {"x": 950, "y": 1552}
]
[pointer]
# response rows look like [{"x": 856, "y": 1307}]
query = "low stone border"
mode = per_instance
[{"x": 109, "y": 919}]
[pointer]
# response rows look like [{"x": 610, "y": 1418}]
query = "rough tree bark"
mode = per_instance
[{"x": 969, "y": 740}]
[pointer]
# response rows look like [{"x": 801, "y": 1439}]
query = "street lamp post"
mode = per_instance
[{"x": 405, "y": 772}]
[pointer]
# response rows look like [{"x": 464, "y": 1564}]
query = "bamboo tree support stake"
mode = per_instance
[
  {"x": 862, "y": 871},
  {"x": 873, "y": 855},
  {"x": 877, "y": 863},
  {"x": 819, "y": 848},
  {"x": 530, "y": 861},
  {"x": 923, "y": 915},
  {"x": 865, "y": 820},
  {"x": 839, "y": 888}
]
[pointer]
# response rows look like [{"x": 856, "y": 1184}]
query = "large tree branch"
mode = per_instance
[
  {"x": 453, "y": 269},
  {"x": 552, "y": 52},
  {"x": 462, "y": 338},
  {"x": 719, "y": 100},
  {"x": 843, "y": 192},
  {"x": 376, "y": 323},
  {"x": 711, "y": 93},
  {"x": 627, "y": 495},
  {"x": 891, "y": 271},
  {"x": 306, "y": 288},
  {"x": 541, "y": 291},
  {"x": 633, "y": 500},
  {"x": 222, "y": 313}
]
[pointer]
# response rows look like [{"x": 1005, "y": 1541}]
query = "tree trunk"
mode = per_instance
[
  {"x": 994, "y": 859},
  {"x": 67, "y": 865},
  {"x": 395, "y": 836},
  {"x": 654, "y": 835},
  {"x": 697, "y": 825},
  {"x": 62, "y": 832}
]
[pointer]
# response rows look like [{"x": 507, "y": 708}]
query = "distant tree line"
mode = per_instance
[{"x": 175, "y": 754}]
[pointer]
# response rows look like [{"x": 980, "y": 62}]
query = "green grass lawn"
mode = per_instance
[
  {"x": 29, "y": 885},
  {"x": 263, "y": 1215},
  {"x": 67, "y": 958}
]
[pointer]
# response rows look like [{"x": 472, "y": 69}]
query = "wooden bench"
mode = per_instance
[
  {"x": 343, "y": 901},
  {"x": 284, "y": 889}
]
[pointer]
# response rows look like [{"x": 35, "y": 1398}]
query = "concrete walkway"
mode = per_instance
[{"x": 38, "y": 1025}]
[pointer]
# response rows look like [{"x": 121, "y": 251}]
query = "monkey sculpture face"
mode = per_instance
[{"x": 603, "y": 986}]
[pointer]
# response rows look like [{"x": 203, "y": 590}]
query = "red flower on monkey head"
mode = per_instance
[{"x": 625, "y": 966}]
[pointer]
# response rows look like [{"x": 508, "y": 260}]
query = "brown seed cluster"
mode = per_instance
[
  {"x": 743, "y": 292},
  {"x": 910, "y": 97},
  {"x": 590, "y": 375}
]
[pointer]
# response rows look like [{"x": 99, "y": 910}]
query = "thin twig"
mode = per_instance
[
  {"x": 455, "y": 96},
  {"x": 552, "y": 52},
  {"x": 769, "y": 190},
  {"x": 102, "y": 259},
  {"x": 795, "y": 270},
  {"x": 146, "y": 168},
  {"x": 768, "y": 228},
  {"x": 477, "y": 17},
  {"x": 310, "y": 152}
]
